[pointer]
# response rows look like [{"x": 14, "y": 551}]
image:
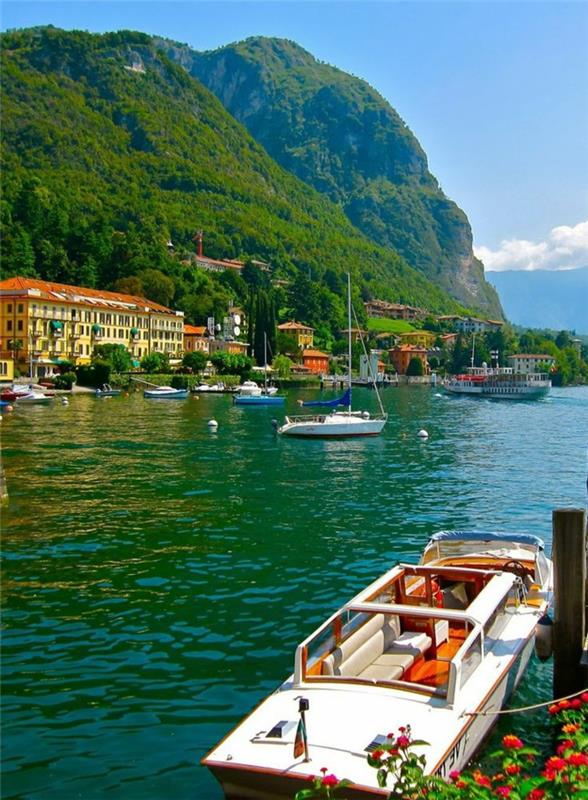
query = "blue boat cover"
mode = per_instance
[
  {"x": 487, "y": 536},
  {"x": 345, "y": 400}
]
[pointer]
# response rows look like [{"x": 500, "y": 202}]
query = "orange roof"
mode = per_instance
[
  {"x": 314, "y": 354},
  {"x": 408, "y": 348},
  {"x": 195, "y": 330},
  {"x": 532, "y": 355},
  {"x": 294, "y": 326},
  {"x": 61, "y": 292}
]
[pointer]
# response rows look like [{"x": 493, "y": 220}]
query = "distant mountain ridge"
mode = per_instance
[
  {"x": 544, "y": 298},
  {"x": 337, "y": 134}
]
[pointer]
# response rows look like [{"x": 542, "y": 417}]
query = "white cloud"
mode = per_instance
[{"x": 566, "y": 248}]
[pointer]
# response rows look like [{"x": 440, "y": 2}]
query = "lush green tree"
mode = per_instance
[
  {"x": 287, "y": 344},
  {"x": 282, "y": 365},
  {"x": 196, "y": 361},
  {"x": 232, "y": 364},
  {"x": 415, "y": 367},
  {"x": 116, "y": 355},
  {"x": 155, "y": 362},
  {"x": 157, "y": 286}
]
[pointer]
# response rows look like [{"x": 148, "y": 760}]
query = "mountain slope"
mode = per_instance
[
  {"x": 109, "y": 149},
  {"x": 340, "y": 136},
  {"x": 545, "y": 299}
]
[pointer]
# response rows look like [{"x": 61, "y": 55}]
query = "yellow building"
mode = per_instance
[
  {"x": 303, "y": 334},
  {"x": 418, "y": 338},
  {"x": 42, "y": 323}
]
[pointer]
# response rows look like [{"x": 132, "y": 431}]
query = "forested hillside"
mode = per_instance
[
  {"x": 340, "y": 136},
  {"x": 110, "y": 150}
]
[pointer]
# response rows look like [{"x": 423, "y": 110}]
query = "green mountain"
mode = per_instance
[
  {"x": 337, "y": 134},
  {"x": 109, "y": 150}
]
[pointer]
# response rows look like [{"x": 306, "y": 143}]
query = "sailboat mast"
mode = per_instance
[
  {"x": 265, "y": 362},
  {"x": 349, "y": 339}
]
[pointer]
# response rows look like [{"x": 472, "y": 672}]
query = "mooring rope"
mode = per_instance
[{"x": 523, "y": 708}]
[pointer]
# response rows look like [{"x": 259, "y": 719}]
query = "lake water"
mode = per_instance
[{"x": 157, "y": 577}]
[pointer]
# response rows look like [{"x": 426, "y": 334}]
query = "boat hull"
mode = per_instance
[
  {"x": 109, "y": 393},
  {"x": 334, "y": 426},
  {"x": 499, "y": 392},
  {"x": 179, "y": 394},
  {"x": 259, "y": 400}
]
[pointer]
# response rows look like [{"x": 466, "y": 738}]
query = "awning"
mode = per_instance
[
  {"x": 96, "y": 328},
  {"x": 134, "y": 331},
  {"x": 56, "y": 325}
]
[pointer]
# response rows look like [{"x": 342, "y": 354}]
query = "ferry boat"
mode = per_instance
[
  {"x": 439, "y": 645},
  {"x": 499, "y": 382}
]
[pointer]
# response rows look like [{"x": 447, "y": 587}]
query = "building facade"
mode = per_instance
[
  {"x": 196, "y": 339},
  {"x": 402, "y": 355},
  {"x": 383, "y": 310},
  {"x": 528, "y": 362},
  {"x": 315, "y": 361},
  {"x": 303, "y": 334},
  {"x": 43, "y": 323}
]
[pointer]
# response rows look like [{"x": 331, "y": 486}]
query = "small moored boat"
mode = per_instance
[
  {"x": 106, "y": 390},
  {"x": 439, "y": 645},
  {"x": 33, "y": 397},
  {"x": 165, "y": 393}
]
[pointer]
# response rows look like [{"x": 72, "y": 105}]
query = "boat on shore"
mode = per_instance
[
  {"x": 33, "y": 397},
  {"x": 337, "y": 423},
  {"x": 439, "y": 646},
  {"x": 499, "y": 383}
]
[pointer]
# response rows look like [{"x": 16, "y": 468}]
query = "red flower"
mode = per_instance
[
  {"x": 553, "y": 709},
  {"x": 555, "y": 764},
  {"x": 563, "y": 704},
  {"x": 578, "y": 759},
  {"x": 584, "y": 697},
  {"x": 575, "y": 703},
  {"x": 536, "y": 794},
  {"x": 571, "y": 727},
  {"x": 482, "y": 780},
  {"x": 402, "y": 729},
  {"x": 324, "y": 770},
  {"x": 503, "y": 791},
  {"x": 403, "y": 741},
  {"x": 330, "y": 780},
  {"x": 454, "y": 775},
  {"x": 512, "y": 742},
  {"x": 377, "y": 754},
  {"x": 512, "y": 769},
  {"x": 460, "y": 784},
  {"x": 561, "y": 748}
]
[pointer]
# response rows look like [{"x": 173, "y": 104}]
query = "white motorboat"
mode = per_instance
[
  {"x": 249, "y": 389},
  {"x": 106, "y": 390},
  {"x": 166, "y": 393},
  {"x": 337, "y": 423},
  {"x": 33, "y": 397},
  {"x": 438, "y": 646},
  {"x": 211, "y": 388},
  {"x": 268, "y": 397}
]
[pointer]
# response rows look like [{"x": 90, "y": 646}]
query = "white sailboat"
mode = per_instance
[{"x": 337, "y": 423}]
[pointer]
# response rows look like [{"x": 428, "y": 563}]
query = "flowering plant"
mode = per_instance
[{"x": 563, "y": 776}]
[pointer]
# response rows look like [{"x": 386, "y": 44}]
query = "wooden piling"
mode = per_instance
[{"x": 569, "y": 630}]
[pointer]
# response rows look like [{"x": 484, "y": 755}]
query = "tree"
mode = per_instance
[
  {"x": 282, "y": 365},
  {"x": 232, "y": 363},
  {"x": 157, "y": 286},
  {"x": 116, "y": 355},
  {"x": 155, "y": 362},
  {"x": 196, "y": 361},
  {"x": 415, "y": 367}
]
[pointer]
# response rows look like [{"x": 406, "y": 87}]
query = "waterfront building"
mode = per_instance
[
  {"x": 315, "y": 361},
  {"x": 523, "y": 363},
  {"x": 475, "y": 325},
  {"x": 229, "y": 346},
  {"x": 401, "y": 356},
  {"x": 196, "y": 339},
  {"x": 303, "y": 334},
  {"x": 6, "y": 369},
  {"x": 43, "y": 323}
]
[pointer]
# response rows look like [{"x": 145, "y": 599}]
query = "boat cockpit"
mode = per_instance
[{"x": 422, "y": 628}]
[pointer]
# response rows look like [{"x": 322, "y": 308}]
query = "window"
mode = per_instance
[
  {"x": 9, "y": 308},
  {"x": 8, "y": 324},
  {"x": 20, "y": 308},
  {"x": 19, "y": 325}
]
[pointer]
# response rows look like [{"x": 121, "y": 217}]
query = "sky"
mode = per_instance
[{"x": 496, "y": 93}]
